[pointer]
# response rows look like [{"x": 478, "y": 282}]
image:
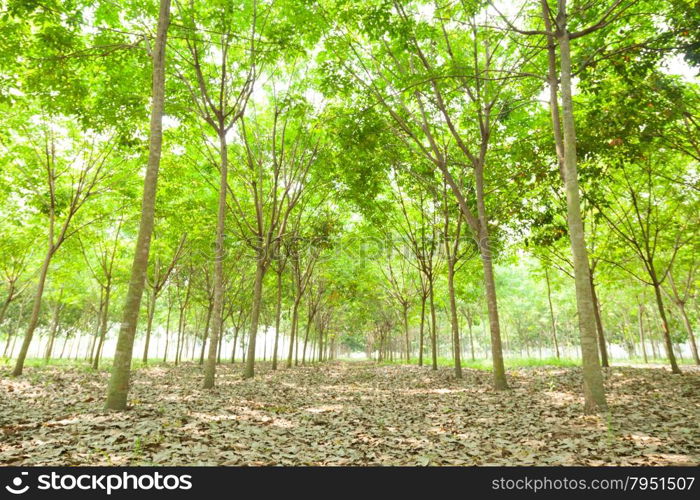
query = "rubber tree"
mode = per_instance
[{"x": 118, "y": 389}]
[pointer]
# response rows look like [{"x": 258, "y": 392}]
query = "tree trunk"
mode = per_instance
[
  {"x": 293, "y": 334},
  {"x": 63, "y": 349},
  {"x": 52, "y": 333},
  {"x": 103, "y": 327},
  {"x": 206, "y": 333},
  {"x": 180, "y": 329},
  {"x": 278, "y": 315},
  {"x": 167, "y": 332},
  {"x": 249, "y": 371},
  {"x": 119, "y": 380},
  {"x": 665, "y": 328},
  {"x": 11, "y": 333},
  {"x": 233, "y": 349},
  {"x": 6, "y": 304},
  {"x": 593, "y": 389},
  {"x": 210, "y": 365},
  {"x": 602, "y": 347},
  {"x": 471, "y": 338},
  {"x": 422, "y": 330},
  {"x": 221, "y": 339},
  {"x": 689, "y": 329},
  {"x": 455, "y": 321},
  {"x": 551, "y": 314},
  {"x": 499, "y": 370},
  {"x": 151, "y": 311},
  {"x": 405, "y": 329},
  {"x": 36, "y": 308},
  {"x": 433, "y": 326},
  {"x": 642, "y": 340},
  {"x": 306, "y": 341}
]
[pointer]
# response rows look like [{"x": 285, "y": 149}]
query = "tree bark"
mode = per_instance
[
  {"x": 36, "y": 308},
  {"x": 664, "y": 326},
  {"x": 422, "y": 330},
  {"x": 292, "y": 336},
  {"x": 433, "y": 326},
  {"x": 551, "y": 314},
  {"x": 642, "y": 340},
  {"x": 119, "y": 380},
  {"x": 455, "y": 321},
  {"x": 206, "y": 332},
  {"x": 249, "y": 371},
  {"x": 151, "y": 311},
  {"x": 52, "y": 333},
  {"x": 593, "y": 389},
  {"x": 689, "y": 329},
  {"x": 405, "y": 329},
  {"x": 210, "y": 365},
  {"x": 278, "y": 315},
  {"x": 602, "y": 347},
  {"x": 103, "y": 328}
]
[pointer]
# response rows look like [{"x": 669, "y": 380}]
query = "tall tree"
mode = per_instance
[{"x": 121, "y": 367}]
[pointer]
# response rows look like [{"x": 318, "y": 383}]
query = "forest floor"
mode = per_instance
[{"x": 348, "y": 413}]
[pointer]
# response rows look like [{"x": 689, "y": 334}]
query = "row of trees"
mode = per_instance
[{"x": 378, "y": 174}]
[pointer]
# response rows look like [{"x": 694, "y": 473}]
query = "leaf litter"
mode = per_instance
[{"x": 349, "y": 413}]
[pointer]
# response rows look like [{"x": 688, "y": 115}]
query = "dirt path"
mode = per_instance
[{"x": 348, "y": 414}]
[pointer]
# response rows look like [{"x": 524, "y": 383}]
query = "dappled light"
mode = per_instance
[{"x": 349, "y": 232}]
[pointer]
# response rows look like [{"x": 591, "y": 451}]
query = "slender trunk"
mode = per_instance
[
  {"x": 6, "y": 304},
  {"x": 98, "y": 323},
  {"x": 167, "y": 331},
  {"x": 433, "y": 326},
  {"x": 405, "y": 329},
  {"x": 63, "y": 349},
  {"x": 642, "y": 340},
  {"x": 293, "y": 334},
  {"x": 103, "y": 326},
  {"x": 602, "y": 347},
  {"x": 422, "y": 329},
  {"x": 243, "y": 349},
  {"x": 471, "y": 338},
  {"x": 36, "y": 308},
  {"x": 149, "y": 325},
  {"x": 306, "y": 341},
  {"x": 52, "y": 332},
  {"x": 119, "y": 380},
  {"x": 233, "y": 349},
  {"x": 221, "y": 339},
  {"x": 11, "y": 333},
  {"x": 455, "y": 320},
  {"x": 593, "y": 389},
  {"x": 278, "y": 315},
  {"x": 77, "y": 349},
  {"x": 499, "y": 370},
  {"x": 178, "y": 341},
  {"x": 689, "y": 329},
  {"x": 206, "y": 332},
  {"x": 665, "y": 329},
  {"x": 210, "y": 365},
  {"x": 551, "y": 314},
  {"x": 655, "y": 352},
  {"x": 249, "y": 371}
]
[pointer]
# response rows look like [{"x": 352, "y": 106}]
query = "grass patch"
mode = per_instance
[
  {"x": 105, "y": 364},
  {"x": 486, "y": 364}
]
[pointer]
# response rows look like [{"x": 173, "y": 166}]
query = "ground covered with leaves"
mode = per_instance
[{"x": 346, "y": 413}]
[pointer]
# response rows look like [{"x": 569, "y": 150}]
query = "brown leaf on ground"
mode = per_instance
[{"x": 349, "y": 414}]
